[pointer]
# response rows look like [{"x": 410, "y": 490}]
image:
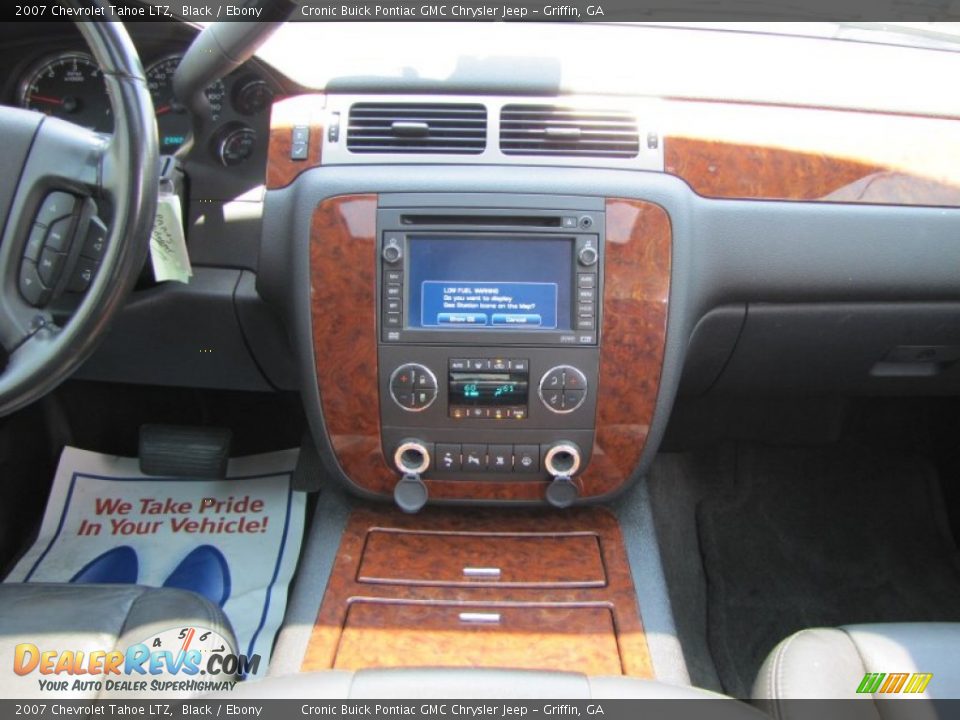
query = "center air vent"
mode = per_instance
[
  {"x": 442, "y": 128},
  {"x": 553, "y": 130}
]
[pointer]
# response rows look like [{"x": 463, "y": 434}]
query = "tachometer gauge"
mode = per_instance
[
  {"x": 69, "y": 86},
  {"x": 173, "y": 119}
]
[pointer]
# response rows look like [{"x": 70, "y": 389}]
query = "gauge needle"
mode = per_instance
[
  {"x": 44, "y": 98},
  {"x": 188, "y": 639},
  {"x": 164, "y": 109}
]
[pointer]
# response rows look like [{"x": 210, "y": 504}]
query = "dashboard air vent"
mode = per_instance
[
  {"x": 554, "y": 130},
  {"x": 442, "y": 128}
]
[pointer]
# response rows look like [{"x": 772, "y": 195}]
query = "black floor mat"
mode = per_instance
[{"x": 821, "y": 537}]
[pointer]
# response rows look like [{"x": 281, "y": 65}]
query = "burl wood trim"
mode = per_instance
[
  {"x": 635, "y": 296},
  {"x": 439, "y": 558},
  {"x": 554, "y": 638},
  {"x": 726, "y": 150},
  {"x": 285, "y": 114},
  {"x": 343, "y": 308},
  {"x": 328, "y": 646}
]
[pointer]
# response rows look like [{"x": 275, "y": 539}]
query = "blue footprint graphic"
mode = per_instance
[
  {"x": 119, "y": 565},
  {"x": 204, "y": 571}
]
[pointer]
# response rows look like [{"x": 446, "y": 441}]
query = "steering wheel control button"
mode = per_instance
[
  {"x": 50, "y": 266},
  {"x": 413, "y": 387},
  {"x": 96, "y": 240},
  {"x": 32, "y": 290},
  {"x": 58, "y": 236},
  {"x": 56, "y": 205},
  {"x": 38, "y": 234},
  {"x": 563, "y": 389},
  {"x": 82, "y": 275}
]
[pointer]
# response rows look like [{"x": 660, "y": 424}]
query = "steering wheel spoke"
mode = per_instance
[{"x": 76, "y": 209}]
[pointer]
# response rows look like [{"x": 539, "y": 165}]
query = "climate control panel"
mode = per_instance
[{"x": 487, "y": 414}]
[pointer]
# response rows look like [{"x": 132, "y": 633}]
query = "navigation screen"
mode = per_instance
[{"x": 490, "y": 283}]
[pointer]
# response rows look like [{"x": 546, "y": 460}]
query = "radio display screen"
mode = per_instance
[{"x": 489, "y": 283}]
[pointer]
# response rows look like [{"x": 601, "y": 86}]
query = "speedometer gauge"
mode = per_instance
[
  {"x": 69, "y": 86},
  {"x": 173, "y": 118}
]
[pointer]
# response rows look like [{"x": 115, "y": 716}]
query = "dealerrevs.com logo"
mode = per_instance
[{"x": 187, "y": 659}]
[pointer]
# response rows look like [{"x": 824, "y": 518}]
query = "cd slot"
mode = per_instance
[{"x": 547, "y": 221}]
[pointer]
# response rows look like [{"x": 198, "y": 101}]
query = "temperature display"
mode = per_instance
[{"x": 488, "y": 394}]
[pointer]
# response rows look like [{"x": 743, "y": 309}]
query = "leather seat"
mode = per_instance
[
  {"x": 87, "y": 618},
  {"x": 832, "y": 663}
]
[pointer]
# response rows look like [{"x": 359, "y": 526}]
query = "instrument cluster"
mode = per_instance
[{"x": 68, "y": 84}]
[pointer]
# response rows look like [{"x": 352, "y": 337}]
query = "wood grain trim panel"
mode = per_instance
[
  {"x": 728, "y": 150},
  {"x": 344, "y": 592},
  {"x": 635, "y": 296},
  {"x": 520, "y": 560},
  {"x": 285, "y": 114},
  {"x": 569, "y": 638}
]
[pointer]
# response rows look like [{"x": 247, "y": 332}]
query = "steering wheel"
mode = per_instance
[{"x": 109, "y": 186}]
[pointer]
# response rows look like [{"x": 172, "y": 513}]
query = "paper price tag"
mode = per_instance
[{"x": 168, "y": 245}]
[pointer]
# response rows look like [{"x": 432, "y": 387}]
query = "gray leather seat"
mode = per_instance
[
  {"x": 88, "y": 618},
  {"x": 832, "y": 663}
]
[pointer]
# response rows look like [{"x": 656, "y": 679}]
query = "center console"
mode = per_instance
[
  {"x": 489, "y": 342},
  {"x": 485, "y": 347}
]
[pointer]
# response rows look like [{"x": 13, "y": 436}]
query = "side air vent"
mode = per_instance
[
  {"x": 554, "y": 130},
  {"x": 442, "y": 128}
]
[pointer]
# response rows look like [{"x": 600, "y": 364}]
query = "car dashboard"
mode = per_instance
[{"x": 496, "y": 288}]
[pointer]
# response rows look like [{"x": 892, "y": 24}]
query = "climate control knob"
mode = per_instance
[
  {"x": 413, "y": 387},
  {"x": 563, "y": 389}
]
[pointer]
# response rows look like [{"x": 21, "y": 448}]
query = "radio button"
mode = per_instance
[
  {"x": 588, "y": 256},
  {"x": 586, "y": 280},
  {"x": 585, "y": 323},
  {"x": 392, "y": 305},
  {"x": 586, "y": 295},
  {"x": 391, "y": 320},
  {"x": 392, "y": 290},
  {"x": 393, "y": 276}
]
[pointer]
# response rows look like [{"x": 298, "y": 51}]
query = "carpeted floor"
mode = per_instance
[{"x": 821, "y": 537}]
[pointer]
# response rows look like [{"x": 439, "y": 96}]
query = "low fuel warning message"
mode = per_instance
[{"x": 491, "y": 305}]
